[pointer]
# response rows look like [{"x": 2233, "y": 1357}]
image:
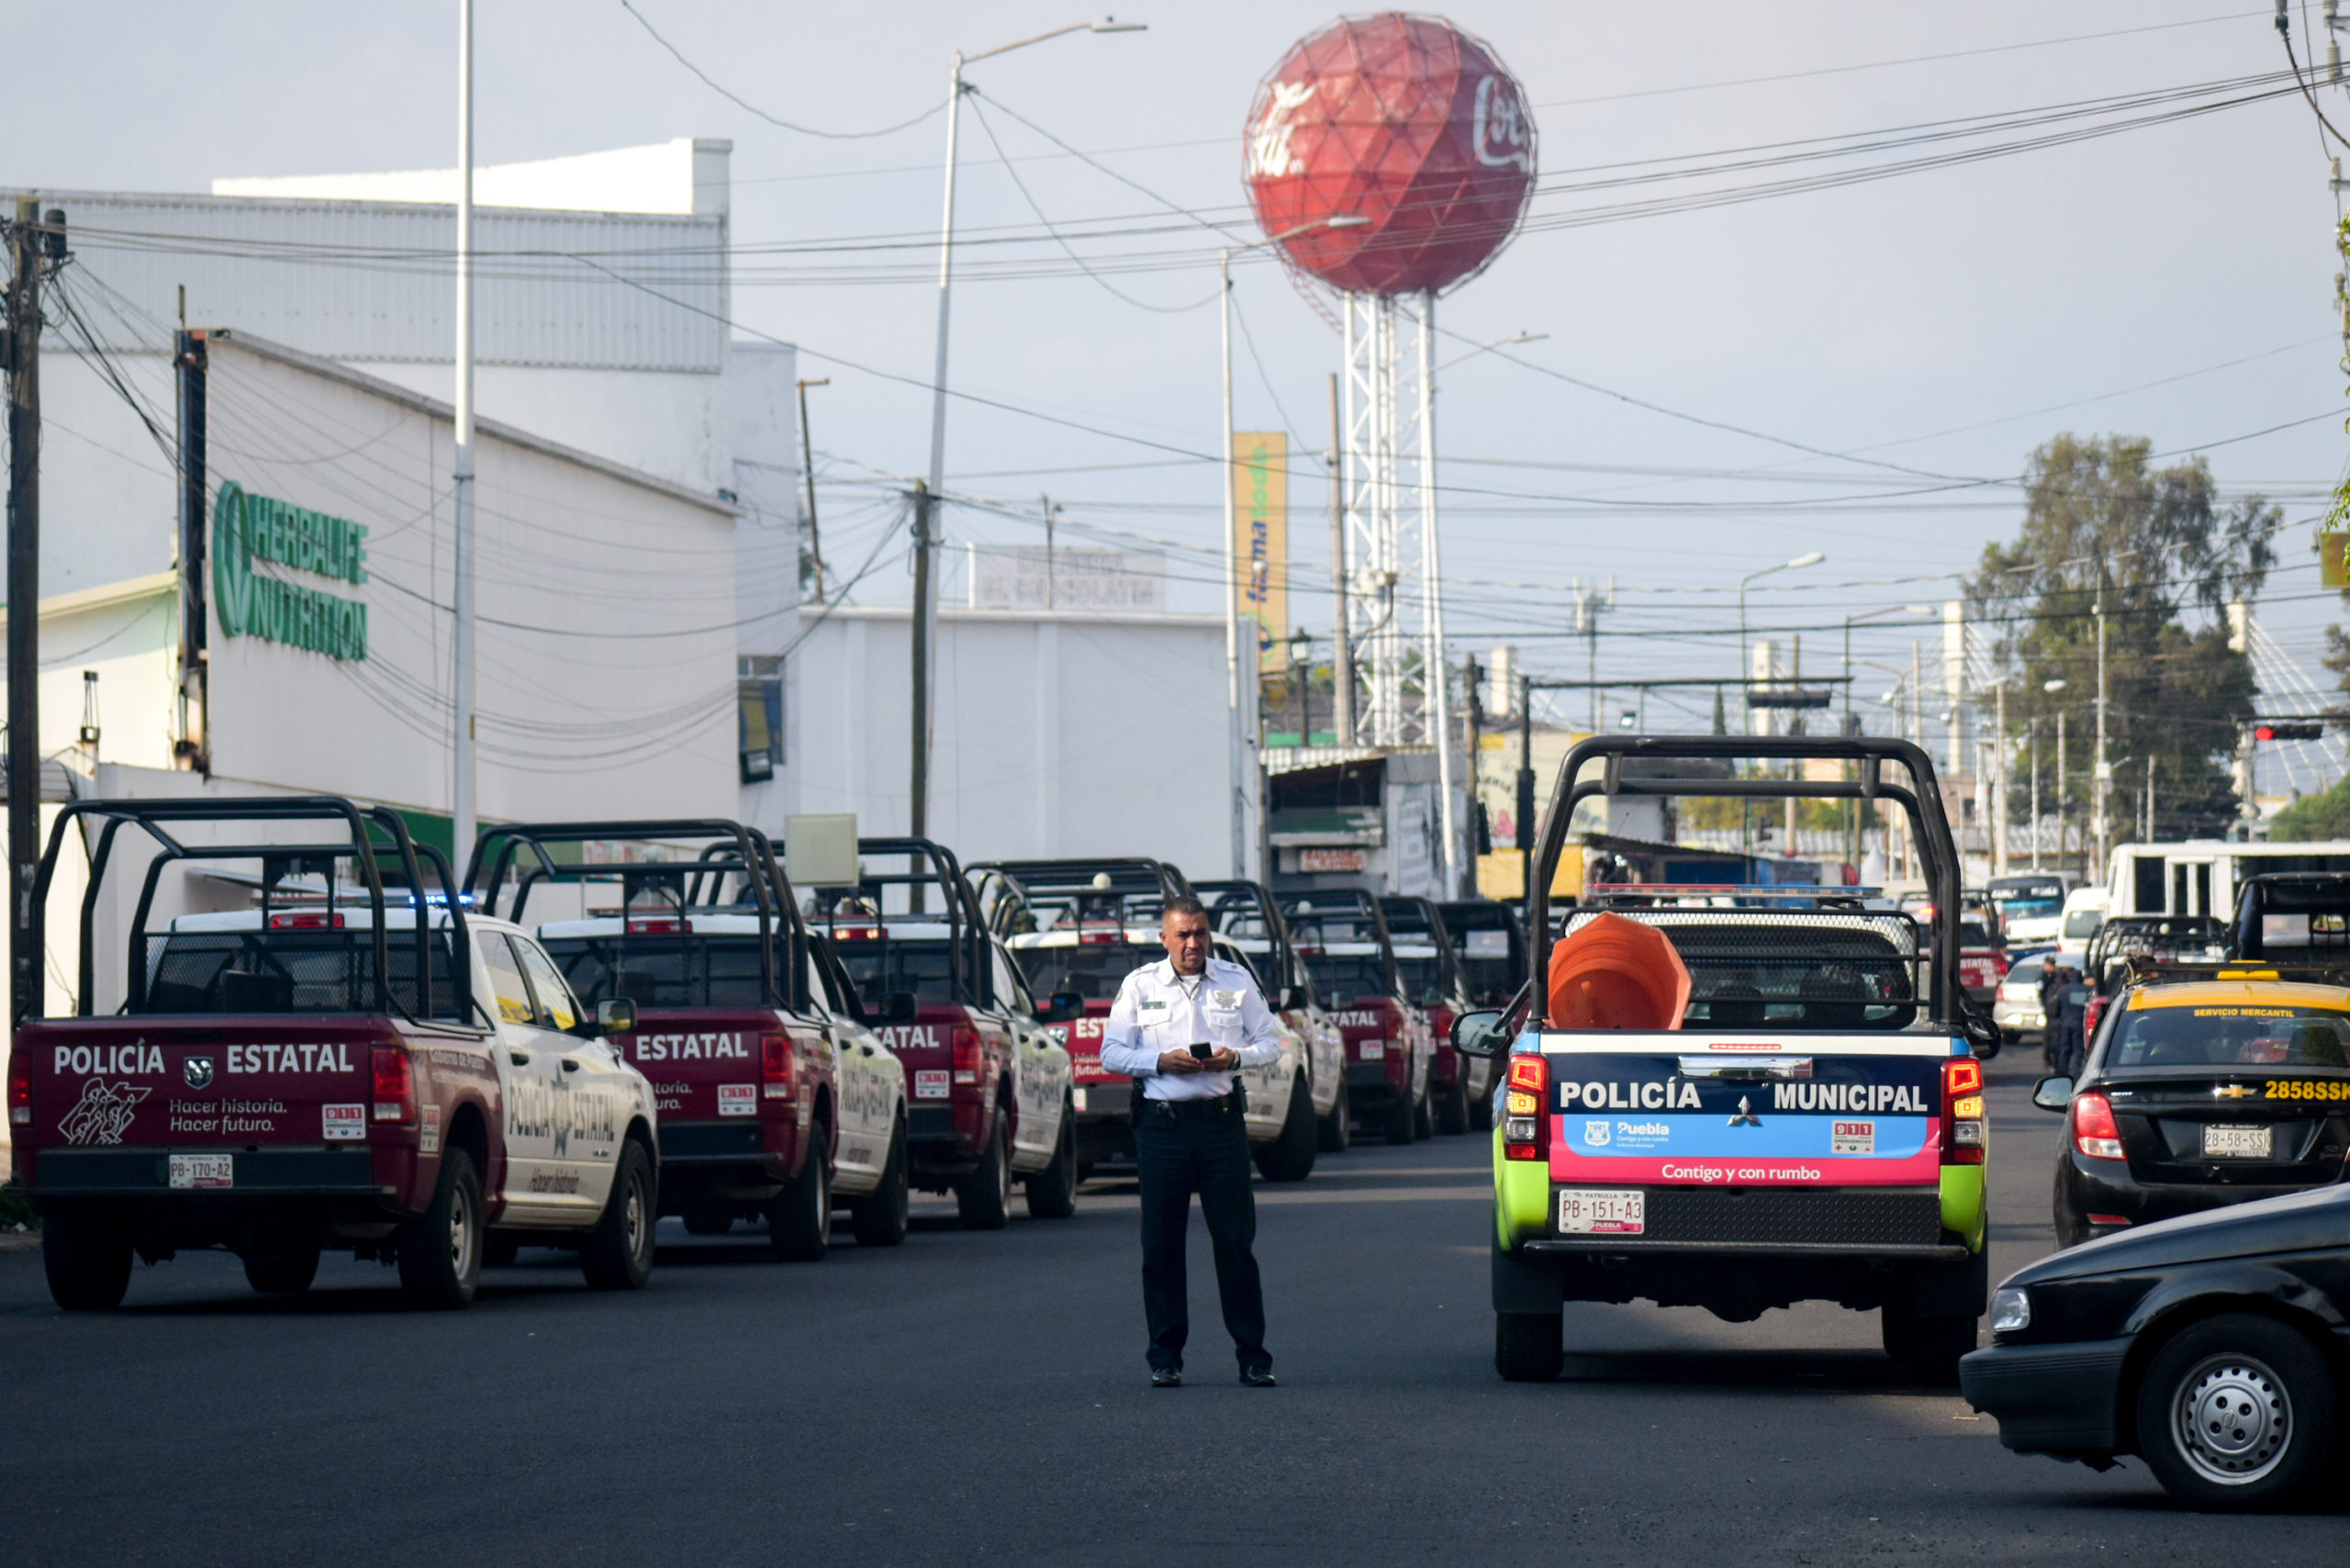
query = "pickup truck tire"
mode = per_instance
[
  {"x": 983, "y": 1199},
  {"x": 1481, "y": 1112},
  {"x": 1424, "y": 1113},
  {"x": 1289, "y": 1157},
  {"x": 705, "y": 1221},
  {"x": 499, "y": 1252},
  {"x": 1336, "y": 1130},
  {"x": 286, "y": 1272},
  {"x": 1452, "y": 1110},
  {"x": 2267, "y": 1406},
  {"x": 86, "y": 1252},
  {"x": 878, "y": 1218},
  {"x": 1528, "y": 1346},
  {"x": 1052, "y": 1191},
  {"x": 1403, "y": 1113},
  {"x": 1928, "y": 1345},
  {"x": 618, "y": 1253},
  {"x": 441, "y": 1249},
  {"x": 799, "y": 1218}
]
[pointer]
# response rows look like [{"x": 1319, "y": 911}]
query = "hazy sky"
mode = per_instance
[{"x": 1995, "y": 302}]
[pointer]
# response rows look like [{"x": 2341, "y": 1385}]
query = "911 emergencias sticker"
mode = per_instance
[
  {"x": 930, "y": 1085},
  {"x": 738, "y": 1099},
  {"x": 343, "y": 1122}
]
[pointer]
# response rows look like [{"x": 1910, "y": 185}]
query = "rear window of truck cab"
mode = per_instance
[
  {"x": 2227, "y": 1035},
  {"x": 660, "y": 971},
  {"x": 290, "y": 971},
  {"x": 1093, "y": 971}
]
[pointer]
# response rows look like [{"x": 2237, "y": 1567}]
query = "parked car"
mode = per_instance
[
  {"x": 1431, "y": 973},
  {"x": 2199, "y": 1093},
  {"x": 2211, "y": 1346},
  {"x": 776, "y": 1103},
  {"x": 1297, "y": 1104},
  {"x": 352, "y": 1063},
  {"x": 2018, "y": 1012},
  {"x": 1343, "y": 937},
  {"x": 989, "y": 1099}
]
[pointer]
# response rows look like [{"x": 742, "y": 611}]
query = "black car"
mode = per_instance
[
  {"x": 2215, "y": 1347},
  {"x": 2201, "y": 1093}
]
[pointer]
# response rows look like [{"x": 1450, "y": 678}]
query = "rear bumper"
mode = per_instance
[
  {"x": 2109, "y": 1187},
  {"x": 1739, "y": 1281},
  {"x": 1368, "y": 1084},
  {"x": 2057, "y": 1399},
  {"x": 297, "y": 1172}
]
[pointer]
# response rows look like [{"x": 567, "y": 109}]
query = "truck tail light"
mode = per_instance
[
  {"x": 775, "y": 1066},
  {"x": 1526, "y": 1122},
  {"x": 395, "y": 1085},
  {"x": 664, "y": 925},
  {"x": 20, "y": 1089},
  {"x": 1962, "y": 1113},
  {"x": 311, "y": 920},
  {"x": 967, "y": 1056},
  {"x": 2090, "y": 1016},
  {"x": 2095, "y": 1131}
]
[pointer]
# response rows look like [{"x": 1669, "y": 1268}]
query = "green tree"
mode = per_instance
[{"x": 2104, "y": 528}]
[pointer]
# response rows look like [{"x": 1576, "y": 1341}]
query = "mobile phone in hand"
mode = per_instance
[{"x": 1201, "y": 1050}]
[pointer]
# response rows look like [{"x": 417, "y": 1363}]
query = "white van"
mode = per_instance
[
  {"x": 2200, "y": 875},
  {"x": 2085, "y": 910}
]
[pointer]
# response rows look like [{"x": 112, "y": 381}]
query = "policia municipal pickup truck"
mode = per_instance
[{"x": 1811, "y": 1126}]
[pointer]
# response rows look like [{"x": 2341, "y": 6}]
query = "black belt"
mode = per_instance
[{"x": 1222, "y": 1105}]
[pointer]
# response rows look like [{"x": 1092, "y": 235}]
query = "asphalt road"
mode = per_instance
[{"x": 981, "y": 1397}]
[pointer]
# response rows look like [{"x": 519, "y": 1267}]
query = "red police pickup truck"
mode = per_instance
[
  {"x": 989, "y": 1094},
  {"x": 301, "y": 1050},
  {"x": 774, "y": 1107},
  {"x": 1343, "y": 937}
]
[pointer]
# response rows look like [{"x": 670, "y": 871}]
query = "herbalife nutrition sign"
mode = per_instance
[{"x": 248, "y": 528}]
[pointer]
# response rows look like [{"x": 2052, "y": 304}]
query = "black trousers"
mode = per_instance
[{"x": 1182, "y": 1148}]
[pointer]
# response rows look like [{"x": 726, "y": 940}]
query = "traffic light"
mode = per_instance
[{"x": 2287, "y": 730}]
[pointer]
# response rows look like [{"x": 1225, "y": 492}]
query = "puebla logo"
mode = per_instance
[{"x": 246, "y": 527}]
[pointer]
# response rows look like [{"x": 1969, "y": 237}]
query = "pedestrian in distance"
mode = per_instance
[{"x": 1182, "y": 1029}]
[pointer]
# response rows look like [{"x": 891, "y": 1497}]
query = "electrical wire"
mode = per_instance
[{"x": 747, "y": 105}]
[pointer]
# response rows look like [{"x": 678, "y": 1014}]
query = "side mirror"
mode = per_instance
[
  {"x": 2052, "y": 1093},
  {"x": 1981, "y": 1033},
  {"x": 1479, "y": 1033},
  {"x": 1342, "y": 1000},
  {"x": 617, "y": 1017},
  {"x": 1061, "y": 1007},
  {"x": 1289, "y": 999},
  {"x": 898, "y": 1007}
]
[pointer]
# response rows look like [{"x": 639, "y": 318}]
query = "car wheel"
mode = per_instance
[
  {"x": 1452, "y": 1110},
  {"x": 1336, "y": 1130},
  {"x": 1928, "y": 1345},
  {"x": 286, "y": 1273},
  {"x": 1289, "y": 1157},
  {"x": 983, "y": 1198},
  {"x": 86, "y": 1252},
  {"x": 799, "y": 1218},
  {"x": 878, "y": 1218},
  {"x": 2237, "y": 1413},
  {"x": 500, "y": 1251},
  {"x": 1052, "y": 1191},
  {"x": 439, "y": 1249},
  {"x": 619, "y": 1254},
  {"x": 1527, "y": 1346},
  {"x": 1481, "y": 1112},
  {"x": 1397, "y": 1121},
  {"x": 709, "y": 1221},
  {"x": 1424, "y": 1112},
  {"x": 2071, "y": 1229}
]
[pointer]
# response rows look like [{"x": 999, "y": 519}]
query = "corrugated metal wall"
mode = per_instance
[{"x": 359, "y": 281}]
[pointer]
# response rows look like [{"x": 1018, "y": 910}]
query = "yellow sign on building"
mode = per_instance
[
  {"x": 2333, "y": 559},
  {"x": 1260, "y": 542}
]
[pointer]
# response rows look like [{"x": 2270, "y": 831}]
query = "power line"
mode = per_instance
[{"x": 744, "y": 104}]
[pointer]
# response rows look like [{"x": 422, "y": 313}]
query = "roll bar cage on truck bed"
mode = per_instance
[{"x": 279, "y": 861}]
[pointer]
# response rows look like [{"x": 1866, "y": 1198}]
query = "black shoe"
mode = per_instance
[
  {"x": 1166, "y": 1377},
  {"x": 1257, "y": 1377}
]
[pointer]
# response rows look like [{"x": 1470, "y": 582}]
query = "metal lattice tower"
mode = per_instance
[{"x": 1395, "y": 610}]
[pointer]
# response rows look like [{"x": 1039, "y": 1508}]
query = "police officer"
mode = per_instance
[{"x": 1179, "y": 1029}]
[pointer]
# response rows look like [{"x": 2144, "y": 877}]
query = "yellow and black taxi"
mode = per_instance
[{"x": 2204, "y": 1088}]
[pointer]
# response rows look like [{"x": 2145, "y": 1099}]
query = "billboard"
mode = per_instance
[{"x": 1260, "y": 542}]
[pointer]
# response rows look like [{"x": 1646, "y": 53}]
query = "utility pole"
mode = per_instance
[
  {"x": 2063, "y": 823},
  {"x": 2000, "y": 801},
  {"x": 808, "y": 470},
  {"x": 2035, "y": 794},
  {"x": 1525, "y": 783},
  {"x": 194, "y": 748},
  {"x": 1342, "y": 656},
  {"x": 918, "y": 787},
  {"x": 33, "y": 248},
  {"x": 2101, "y": 782},
  {"x": 1052, "y": 572},
  {"x": 461, "y": 806}
]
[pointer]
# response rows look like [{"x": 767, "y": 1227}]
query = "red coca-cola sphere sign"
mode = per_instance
[{"x": 1405, "y": 122}]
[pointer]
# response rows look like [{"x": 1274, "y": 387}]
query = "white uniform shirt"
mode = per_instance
[{"x": 1159, "y": 1011}]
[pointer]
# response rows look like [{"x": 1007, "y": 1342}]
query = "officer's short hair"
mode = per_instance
[{"x": 1182, "y": 903}]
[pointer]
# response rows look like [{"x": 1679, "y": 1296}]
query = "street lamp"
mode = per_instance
[
  {"x": 1746, "y": 680},
  {"x": 1235, "y": 735},
  {"x": 1852, "y": 621},
  {"x": 925, "y": 600}
]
